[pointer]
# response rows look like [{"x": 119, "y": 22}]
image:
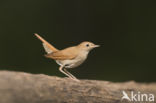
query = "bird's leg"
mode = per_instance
[
  {"x": 70, "y": 74},
  {"x": 61, "y": 70}
]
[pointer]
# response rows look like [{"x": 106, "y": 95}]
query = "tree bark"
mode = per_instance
[{"x": 19, "y": 87}]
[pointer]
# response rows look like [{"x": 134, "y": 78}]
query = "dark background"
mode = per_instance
[{"x": 125, "y": 29}]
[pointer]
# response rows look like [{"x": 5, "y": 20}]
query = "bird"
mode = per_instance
[{"x": 70, "y": 57}]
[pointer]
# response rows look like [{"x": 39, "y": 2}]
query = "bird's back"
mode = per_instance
[{"x": 65, "y": 54}]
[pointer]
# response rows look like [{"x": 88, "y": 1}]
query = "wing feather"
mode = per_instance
[{"x": 66, "y": 54}]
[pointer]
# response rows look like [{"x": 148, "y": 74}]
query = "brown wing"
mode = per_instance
[
  {"x": 66, "y": 54},
  {"x": 48, "y": 47}
]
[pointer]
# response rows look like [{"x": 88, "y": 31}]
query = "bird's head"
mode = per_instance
[{"x": 87, "y": 46}]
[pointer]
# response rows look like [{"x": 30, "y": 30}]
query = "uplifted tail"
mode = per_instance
[{"x": 47, "y": 46}]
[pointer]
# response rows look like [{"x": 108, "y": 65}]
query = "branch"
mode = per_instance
[{"x": 18, "y": 87}]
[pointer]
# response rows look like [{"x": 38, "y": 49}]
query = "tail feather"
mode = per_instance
[{"x": 47, "y": 46}]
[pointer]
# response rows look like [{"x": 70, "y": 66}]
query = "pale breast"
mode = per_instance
[{"x": 73, "y": 62}]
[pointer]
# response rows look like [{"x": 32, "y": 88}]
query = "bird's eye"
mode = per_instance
[{"x": 87, "y": 45}]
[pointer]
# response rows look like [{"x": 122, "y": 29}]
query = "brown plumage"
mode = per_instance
[
  {"x": 68, "y": 53},
  {"x": 70, "y": 57}
]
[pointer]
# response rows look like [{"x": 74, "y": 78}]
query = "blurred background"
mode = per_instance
[{"x": 125, "y": 29}]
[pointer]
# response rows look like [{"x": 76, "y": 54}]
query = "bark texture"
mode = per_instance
[{"x": 19, "y": 87}]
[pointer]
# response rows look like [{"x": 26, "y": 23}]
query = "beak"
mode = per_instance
[{"x": 95, "y": 46}]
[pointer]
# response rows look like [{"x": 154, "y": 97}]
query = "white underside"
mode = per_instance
[
  {"x": 70, "y": 63},
  {"x": 73, "y": 62}
]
